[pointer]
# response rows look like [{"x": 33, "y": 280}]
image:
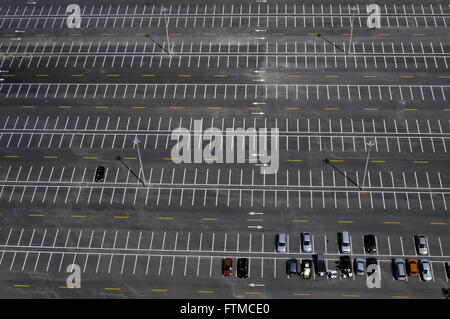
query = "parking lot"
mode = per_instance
[{"x": 363, "y": 131}]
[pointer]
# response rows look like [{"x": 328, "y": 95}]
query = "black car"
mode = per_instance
[
  {"x": 345, "y": 264},
  {"x": 320, "y": 266},
  {"x": 370, "y": 243},
  {"x": 371, "y": 261},
  {"x": 100, "y": 174},
  {"x": 242, "y": 267},
  {"x": 291, "y": 267}
]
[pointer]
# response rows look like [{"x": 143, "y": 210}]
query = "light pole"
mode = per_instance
[
  {"x": 164, "y": 10},
  {"x": 351, "y": 30},
  {"x": 370, "y": 144},
  {"x": 136, "y": 143}
]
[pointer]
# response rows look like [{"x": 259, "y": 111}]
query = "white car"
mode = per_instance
[
  {"x": 421, "y": 243},
  {"x": 306, "y": 240},
  {"x": 425, "y": 270}
]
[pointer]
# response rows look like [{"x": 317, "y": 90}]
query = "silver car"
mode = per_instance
[
  {"x": 359, "y": 266},
  {"x": 421, "y": 243},
  {"x": 425, "y": 270},
  {"x": 306, "y": 240},
  {"x": 281, "y": 243}
]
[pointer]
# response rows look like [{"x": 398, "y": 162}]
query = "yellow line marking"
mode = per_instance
[
  {"x": 75, "y": 34},
  {"x": 444, "y": 77},
  {"x": 253, "y": 108},
  {"x": 209, "y": 34},
  {"x": 64, "y": 107},
  {"x": 41, "y": 75},
  {"x": 369, "y": 76},
  {"x": 220, "y": 76},
  {"x": 78, "y": 216},
  {"x": 348, "y": 34},
  {"x": 115, "y": 75},
  {"x": 416, "y": 34},
  {"x": 300, "y": 294},
  {"x": 409, "y": 109},
  {"x": 22, "y": 286},
  {"x": 446, "y": 109},
  {"x": 371, "y": 109},
  {"x": 77, "y": 74},
  {"x": 112, "y": 288},
  {"x": 11, "y": 156},
  {"x": 294, "y": 76},
  {"x": 375, "y": 161},
  {"x": 51, "y": 156},
  {"x": 392, "y": 222},
  {"x": 9, "y": 35},
  {"x": 148, "y": 75},
  {"x": 421, "y": 162},
  {"x": 278, "y": 34},
  {"x": 176, "y": 107},
  {"x": 108, "y": 33},
  {"x": 438, "y": 223},
  {"x": 257, "y": 75},
  {"x": 205, "y": 291},
  {"x": 42, "y": 35},
  {"x": 383, "y": 34},
  {"x": 129, "y": 158},
  {"x": 336, "y": 161},
  {"x": 312, "y": 34},
  {"x": 184, "y": 75},
  {"x": 293, "y": 160},
  {"x": 242, "y": 33},
  {"x": 165, "y": 218},
  {"x": 168, "y": 158},
  {"x": 400, "y": 297},
  {"x": 254, "y": 219},
  {"x": 299, "y": 220},
  {"x": 253, "y": 293},
  {"x": 174, "y": 34},
  {"x": 64, "y": 287},
  {"x": 215, "y": 108},
  {"x": 350, "y": 295},
  {"x": 35, "y": 215},
  {"x": 89, "y": 157},
  {"x": 407, "y": 76},
  {"x": 292, "y": 108},
  {"x": 28, "y": 106},
  {"x": 101, "y": 107},
  {"x": 159, "y": 290},
  {"x": 331, "y": 108},
  {"x": 121, "y": 217},
  {"x": 210, "y": 218},
  {"x": 345, "y": 221},
  {"x": 331, "y": 76},
  {"x": 139, "y": 107},
  {"x": 8, "y": 75}
]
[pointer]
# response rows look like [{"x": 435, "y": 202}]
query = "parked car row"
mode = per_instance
[
  {"x": 401, "y": 267},
  {"x": 344, "y": 243},
  {"x": 242, "y": 267}
]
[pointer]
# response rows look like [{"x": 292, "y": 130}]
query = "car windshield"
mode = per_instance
[{"x": 281, "y": 244}]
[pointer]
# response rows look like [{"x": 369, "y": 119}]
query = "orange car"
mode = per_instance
[
  {"x": 413, "y": 270},
  {"x": 227, "y": 266}
]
